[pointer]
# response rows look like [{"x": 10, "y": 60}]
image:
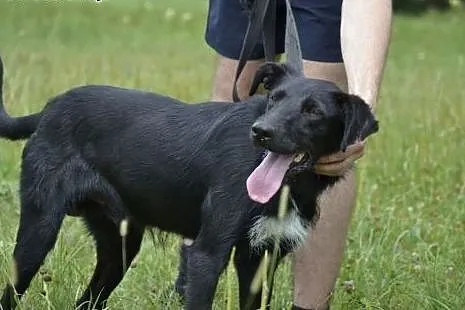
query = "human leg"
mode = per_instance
[
  {"x": 315, "y": 272},
  {"x": 318, "y": 261},
  {"x": 224, "y": 78}
]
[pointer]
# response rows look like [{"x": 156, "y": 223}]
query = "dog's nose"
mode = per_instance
[{"x": 261, "y": 133}]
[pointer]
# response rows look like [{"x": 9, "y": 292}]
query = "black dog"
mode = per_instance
[{"x": 108, "y": 154}]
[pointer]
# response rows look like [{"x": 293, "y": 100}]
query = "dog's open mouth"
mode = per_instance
[{"x": 267, "y": 178}]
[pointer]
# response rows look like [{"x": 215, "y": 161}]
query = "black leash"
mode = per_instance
[
  {"x": 292, "y": 42},
  {"x": 262, "y": 20},
  {"x": 269, "y": 31},
  {"x": 257, "y": 10}
]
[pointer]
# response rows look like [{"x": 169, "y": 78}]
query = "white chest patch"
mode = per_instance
[{"x": 266, "y": 230}]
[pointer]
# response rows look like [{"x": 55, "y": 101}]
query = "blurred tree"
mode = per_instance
[{"x": 420, "y": 6}]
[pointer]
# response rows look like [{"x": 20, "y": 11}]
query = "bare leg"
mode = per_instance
[{"x": 318, "y": 262}]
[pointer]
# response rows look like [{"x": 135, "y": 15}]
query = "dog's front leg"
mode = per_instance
[
  {"x": 203, "y": 271},
  {"x": 247, "y": 262},
  {"x": 210, "y": 251}
]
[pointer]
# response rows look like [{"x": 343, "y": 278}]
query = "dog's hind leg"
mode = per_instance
[
  {"x": 111, "y": 266},
  {"x": 37, "y": 234}
]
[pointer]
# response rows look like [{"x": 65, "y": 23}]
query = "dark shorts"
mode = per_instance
[{"x": 318, "y": 23}]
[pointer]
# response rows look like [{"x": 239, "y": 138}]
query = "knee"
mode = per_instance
[{"x": 330, "y": 71}]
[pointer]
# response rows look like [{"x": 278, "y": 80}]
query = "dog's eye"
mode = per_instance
[
  {"x": 277, "y": 95},
  {"x": 310, "y": 108}
]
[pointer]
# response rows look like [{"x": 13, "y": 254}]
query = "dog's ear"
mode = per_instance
[
  {"x": 271, "y": 74},
  {"x": 358, "y": 120}
]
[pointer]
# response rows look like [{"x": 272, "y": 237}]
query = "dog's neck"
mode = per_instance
[{"x": 302, "y": 212}]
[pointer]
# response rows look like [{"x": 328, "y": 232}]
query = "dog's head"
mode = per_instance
[{"x": 305, "y": 119}]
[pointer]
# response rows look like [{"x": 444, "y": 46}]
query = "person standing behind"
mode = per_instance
[{"x": 343, "y": 41}]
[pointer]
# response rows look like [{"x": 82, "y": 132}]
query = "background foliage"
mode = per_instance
[{"x": 406, "y": 246}]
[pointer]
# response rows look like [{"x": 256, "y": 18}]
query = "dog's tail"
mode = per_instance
[{"x": 15, "y": 128}]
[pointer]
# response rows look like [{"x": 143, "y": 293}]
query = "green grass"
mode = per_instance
[{"x": 406, "y": 245}]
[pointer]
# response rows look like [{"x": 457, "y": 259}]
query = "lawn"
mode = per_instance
[{"x": 406, "y": 245}]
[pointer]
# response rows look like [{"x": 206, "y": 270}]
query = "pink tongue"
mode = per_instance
[{"x": 266, "y": 179}]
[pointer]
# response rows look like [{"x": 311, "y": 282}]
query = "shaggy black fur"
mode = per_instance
[{"x": 107, "y": 154}]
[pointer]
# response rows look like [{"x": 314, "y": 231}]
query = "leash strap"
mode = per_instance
[
  {"x": 262, "y": 18},
  {"x": 269, "y": 31},
  {"x": 292, "y": 42},
  {"x": 258, "y": 10}
]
